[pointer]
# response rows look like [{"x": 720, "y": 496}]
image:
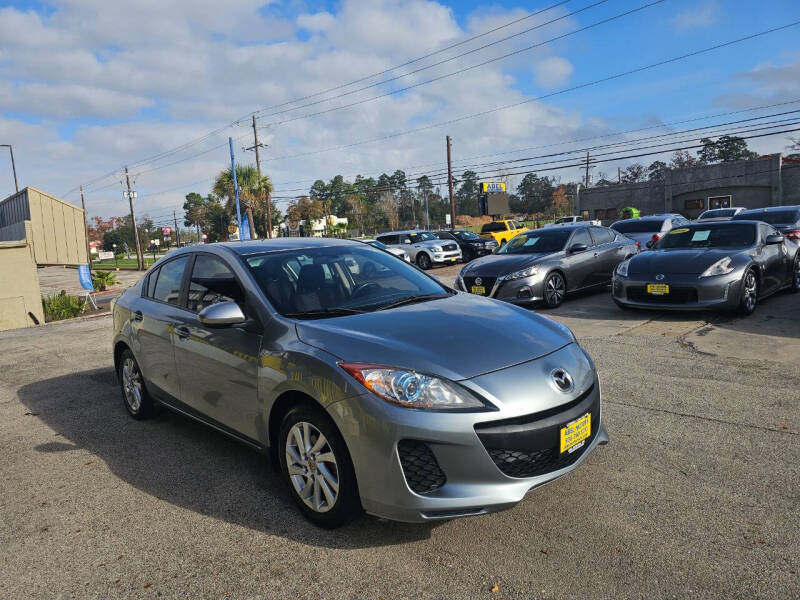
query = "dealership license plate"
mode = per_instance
[
  {"x": 479, "y": 289},
  {"x": 575, "y": 433},
  {"x": 658, "y": 289},
  {"x": 454, "y": 259}
]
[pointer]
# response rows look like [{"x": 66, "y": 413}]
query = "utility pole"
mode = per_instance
[
  {"x": 586, "y": 182},
  {"x": 619, "y": 175},
  {"x": 177, "y": 231},
  {"x": 13, "y": 166},
  {"x": 256, "y": 146},
  {"x": 86, "y": 228},
  {"x": 450, "y": 184},
  {"x": 131, "y": 195}
]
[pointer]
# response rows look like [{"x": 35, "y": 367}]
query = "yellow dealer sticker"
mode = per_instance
[{"x": 681, "y": 230}]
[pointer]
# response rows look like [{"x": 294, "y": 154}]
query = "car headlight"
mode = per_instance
[
  {"x": 622, "y": 268},
  {"x": 721, "y": 267},
  {"x": 520, "y": 274},
  {"x": 408, "y": 388},
  {"x": 436, "y": 248}
]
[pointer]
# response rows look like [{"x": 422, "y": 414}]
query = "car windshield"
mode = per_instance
[
  {"x": 773, "y": 217},
  {"x": 718, "y": 212},
  {"x": 709, "y": 236},
  {"x": 638, "y": 226},
  {"x": 467, "y": 236},
  {"x": 313, "y": 283},
  {"x": 422, "y": 236},
  {"x": 537, "y": 241}
]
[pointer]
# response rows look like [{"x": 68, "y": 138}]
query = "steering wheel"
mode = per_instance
[{"x": 362, "y": 288}]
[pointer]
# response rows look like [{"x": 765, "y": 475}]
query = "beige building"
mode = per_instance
[{"x": 36, "y": 229}]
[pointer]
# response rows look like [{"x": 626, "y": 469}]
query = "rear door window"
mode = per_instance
[{"x": 168, "y": 284}]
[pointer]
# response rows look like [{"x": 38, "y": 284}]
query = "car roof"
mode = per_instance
[
  {"x": 770, "y": 209},
  {"x": 402, "y": 231},
  {"x": 277, "y": 244}
]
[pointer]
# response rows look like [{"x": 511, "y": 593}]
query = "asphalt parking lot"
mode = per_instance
[{"x": 696, "y": 496}]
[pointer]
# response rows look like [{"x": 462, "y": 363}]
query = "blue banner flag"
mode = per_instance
[
  {"x": 85, "y": 276},
  {"x": 244, "y": 234}
]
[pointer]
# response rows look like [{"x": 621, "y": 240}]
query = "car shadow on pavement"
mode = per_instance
[{"x": 187, "y": 464}]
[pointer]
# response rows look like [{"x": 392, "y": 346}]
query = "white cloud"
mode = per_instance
[
  {"x": 703, "y": 14},
  {"x": 552, "y": 72}
]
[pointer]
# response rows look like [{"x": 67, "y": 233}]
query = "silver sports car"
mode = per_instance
[
  {"x": 544, "y": 265},
  {"x": 713, "y": 264},
  {"x": 367, "y": 392}
]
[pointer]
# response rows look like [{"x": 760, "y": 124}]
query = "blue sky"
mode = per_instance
[{"x": 88, "y": 87}]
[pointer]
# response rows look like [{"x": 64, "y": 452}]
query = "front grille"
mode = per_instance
[
  {"x": 522, "y": 463},
  {"x": 420, "y": 467},
  {"x": 677, "y": 295},
  {"x": 449, "y": 247},
  {"x": 529, "y": 445},
  {"x": 486, "y": 282}
]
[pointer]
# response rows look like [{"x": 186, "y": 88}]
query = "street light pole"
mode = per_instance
[{"x": 13, "y": 166}]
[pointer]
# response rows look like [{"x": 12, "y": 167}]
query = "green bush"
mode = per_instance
[
  {"x": 60, "y": 307},
  {"x": 102, "y": 279}
]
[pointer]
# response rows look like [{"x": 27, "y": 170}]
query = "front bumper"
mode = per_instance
[
  {"x": 446, "y": 258},
  {"x": 528, "y": 290},
  {"x": 687, "y": 291},
  {"x": 465, "y": 464}
]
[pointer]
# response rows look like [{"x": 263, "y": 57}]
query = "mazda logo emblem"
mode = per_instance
[
  {"x": 478, "y": 281},
  {"x": 562, "y": 380},
  {"x": 660, "y": 276}
]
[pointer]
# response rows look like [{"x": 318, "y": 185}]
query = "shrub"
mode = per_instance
[
  {"x": 60, "y": 307},
  {"x": 102, "y": 279}
]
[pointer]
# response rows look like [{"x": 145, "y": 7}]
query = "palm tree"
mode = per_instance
[{"x": 250, "y": 190}]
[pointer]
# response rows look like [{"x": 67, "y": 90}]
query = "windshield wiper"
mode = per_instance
[
  {"x": 324, "y": 312},
  {"x": 412, "y": 300}
]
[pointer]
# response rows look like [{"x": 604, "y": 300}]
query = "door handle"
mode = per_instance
[
  {"x": 182, "y": 333},
  {"x": 136, "y": 316}
]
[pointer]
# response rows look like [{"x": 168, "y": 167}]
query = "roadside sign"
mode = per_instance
[
  {"x": 156, "y": 242},
  {"x": 85, "y": 277},
  {"x": 165, "y": 231},
  {"x": 447, "y": 218},
  {"x": 105, "y": 255},
  {"x": 493, "y": 187}
]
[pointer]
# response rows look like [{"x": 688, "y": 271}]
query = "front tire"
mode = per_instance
[
  {"x": 137, "y": 400},
  {"x": 555, "y": 289},
  {"x": 317, "y": 467},
  {"x": 424, "y": 261},
  {"x": 749, "y": 299}
]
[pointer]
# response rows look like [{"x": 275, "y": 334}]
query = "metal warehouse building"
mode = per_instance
[
  {"x": 767, "y": 181},
  {"x": 36, "y": 229}
]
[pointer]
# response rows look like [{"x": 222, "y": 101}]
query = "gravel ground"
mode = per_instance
[{"x": 696, "y": 496}]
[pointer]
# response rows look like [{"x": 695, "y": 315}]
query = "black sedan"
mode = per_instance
[
  {"x": 724, "y": 265},
  {"x": 544, "y": 265},
  {"x": 472, "y": 245}
]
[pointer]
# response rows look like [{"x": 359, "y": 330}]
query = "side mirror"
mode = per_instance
[
  {"x": 221, "y": 314},
  {"x": 649, "y": 244},
  {"x": 406, "y": 241},
  {"x": 575, "y": 248},
  {"x": 775, "y": 238}
]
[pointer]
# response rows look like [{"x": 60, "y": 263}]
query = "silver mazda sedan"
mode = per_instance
[{"x": 361, "y": 382}]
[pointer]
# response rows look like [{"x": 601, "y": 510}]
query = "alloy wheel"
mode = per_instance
[
  {"x": 132, "y": 384},
  {"x": 750, "y": 293},
  {"x": 424, "y": 262},
  {"x": 312, "y": 467},
  {"x": 554, "y": 289}
]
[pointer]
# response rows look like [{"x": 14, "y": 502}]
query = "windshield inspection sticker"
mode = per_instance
[
  {"x": 681, "y": 230},
  {"x": 701, "y": 236}
]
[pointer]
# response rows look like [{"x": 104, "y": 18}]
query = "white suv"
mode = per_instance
[{"x": 423, "y": 247}]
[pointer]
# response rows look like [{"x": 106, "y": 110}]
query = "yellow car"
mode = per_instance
[{"x": 502, "y": 231}]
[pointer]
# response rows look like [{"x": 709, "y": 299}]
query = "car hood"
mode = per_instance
[
  {"x": 495, "y": 265},
  {"x": 458, "y": 337},
  {"x": 686, "y": 261}
]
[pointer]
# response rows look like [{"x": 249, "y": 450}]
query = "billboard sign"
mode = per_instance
[
  {"x": 493, "y": 187},
  {"x": 166, "y": 231}
]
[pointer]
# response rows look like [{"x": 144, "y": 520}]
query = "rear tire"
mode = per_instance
[
  {"x": 137, "y": 400},
  {"x": 555, "y": 289},
  {"x": 317, "y": 467},
  {"x": 749, "y": 296},
  {"x": 424, "y": 261}
]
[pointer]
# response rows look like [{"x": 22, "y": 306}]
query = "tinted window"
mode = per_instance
[
  {"x": 601, "y": 235},
  {"x": 780, "y": 217},
  {"x": 537, "y": 241},
  {"x": 638, "y": 226},
  {"x": 168, "y": 284},
  {"x": 490, "y": 227},
  {"x": 766, "y": 230},
  {"x": 443, "y": 235},
  {"x": 211, "y": 282},
  {"x": 337, "y": 281},
  {"x": 467, "y": 236},
  {"x": 423, "y": 236},
  {"x": 709, "y": 236},
  {"x": 581, "y": 237},
  {"x": 387, "y": 239},
  {"x": 718, "y": 212}
]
